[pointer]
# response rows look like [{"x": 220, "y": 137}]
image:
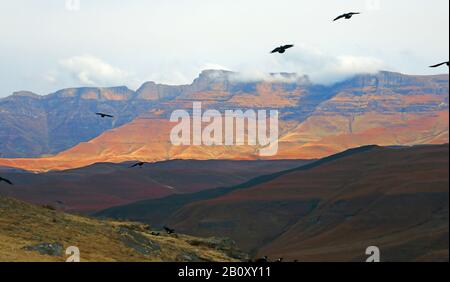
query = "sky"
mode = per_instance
[{"x": 48, "y": 45}]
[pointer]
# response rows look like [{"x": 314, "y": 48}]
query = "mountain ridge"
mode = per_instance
[
  {"x": 315, "y": 120},
  {"x": 222, "y": 74}
]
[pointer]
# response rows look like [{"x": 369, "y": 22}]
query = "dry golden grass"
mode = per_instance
[{"x": 23, "y": 225}]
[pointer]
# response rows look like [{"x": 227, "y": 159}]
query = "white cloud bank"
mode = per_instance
[
  {"x": 320, "y": 67},
  {"x": 335, "y": 69},
  {"x": 92, "y": 71}
]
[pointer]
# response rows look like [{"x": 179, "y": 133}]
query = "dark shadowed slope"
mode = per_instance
[
  {"x": 332, "y": 210},
  {"x": 159, "y": 211},
  {"x": 101, "y": 186}
]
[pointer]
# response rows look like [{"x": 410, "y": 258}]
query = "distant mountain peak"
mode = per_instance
[
  {"x": 97, "y": 93},
  {"x": 25, "y": 94},
  {"x": 215, "y": 72},
  {"x": 214, "y": 76},
  {"x": 388, "y": 79}
]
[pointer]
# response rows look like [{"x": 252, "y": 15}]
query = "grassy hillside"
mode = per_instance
[{"x": 39, "y": 234}]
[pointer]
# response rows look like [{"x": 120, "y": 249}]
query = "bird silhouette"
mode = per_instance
[
  {"x": 102, "y": 115},
  {"x": 281, "y": 49},
  {"x": 346, "y": 16},
  {"x": 139, "y": 164},
  {"x": 6, "y": 180},
  {"x": 169, "y": 230},
  {"x": 441, "y": 64}
]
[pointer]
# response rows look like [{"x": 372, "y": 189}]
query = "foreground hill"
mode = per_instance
[
  {"x": 331, "y": 210},
  {"x": 315, "y": 121},
  {"x": 105, "y": 185},
  {"x": 36, "y": 234}
]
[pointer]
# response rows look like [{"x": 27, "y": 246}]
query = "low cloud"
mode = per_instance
[
  {"x": 212, "y": 66},
  {"x": 300, "y": 65},
  {"x": 51, "y": 77},
  {"x": 318, "y": 66},
  {"x": 92, "y": 71},
  {"x": 343, "y": 67},
  {"x": 325, "y": 68}
]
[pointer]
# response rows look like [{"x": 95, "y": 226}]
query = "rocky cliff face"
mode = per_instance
[
  {"x": 33, "y": 125},
  {"x": 364, "y": 106}
]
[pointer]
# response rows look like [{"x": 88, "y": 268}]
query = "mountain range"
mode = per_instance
[{"x": 61, "y": 131}]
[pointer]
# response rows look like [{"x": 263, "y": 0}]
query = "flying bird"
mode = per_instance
[
  {"x": 6, "y": 180},
  {"x": 139, "y": 164},
  {"x": 346, "y": 16},
  {"x": 282, "y": 49},
  {"x": 102, "y": 115},
  {"x": 169, "y": 230},
  {"x": 441, "y": 64}
]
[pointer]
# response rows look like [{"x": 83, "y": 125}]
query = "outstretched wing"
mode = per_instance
[
  {"x": 169, "y": 230},
  {"x": 276, "y": 50},
  {"x": 340, "y": 17},
  {"x": 104, "y": 115},
  {"x": 287, "y": 46},
  {"x": 438, "y": 65},
  {"x": 347, "y": 15},
  {"x": 137, "y": 164},
  {"x": 6, "y": 180}
]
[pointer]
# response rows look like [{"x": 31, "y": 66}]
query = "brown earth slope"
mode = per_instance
[
  {"x": 105, "y": 185},
  {"x": 396, "y": 199}
]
